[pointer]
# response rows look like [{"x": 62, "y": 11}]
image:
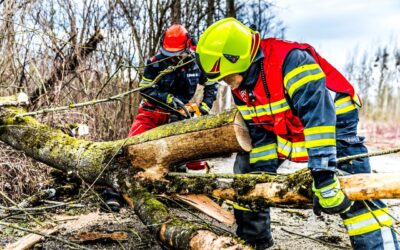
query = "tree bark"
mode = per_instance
[
  {"x": 230, "y": 8},
  {"x": 176, "y": 12},
  {"x": 210, "y": 12}
]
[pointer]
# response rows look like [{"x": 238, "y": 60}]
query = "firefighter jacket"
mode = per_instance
[
  {"x": 181, "y": 83},
  {"x": 295, "y": 104}
]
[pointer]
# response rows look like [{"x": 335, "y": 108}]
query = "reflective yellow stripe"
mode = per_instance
[
  {"x": 236, "y": 206},
  {"x": 319, "y": 130},
  {"x": 298, "y": 70},
  {"x": 272, "y": 108},
  {"x": 205, "y": 106},
  {"x": 145, "y": 82},
  {"x": 357, "y": 100},
  {"x": 291, "y": 149},
  {"x": 263, "y": 148},
  {"x": 368, "y": 222},
  {"x": 320, "y": 143},
  {"x": 263, "y": 153},
  {"x": 284, "y": 146},
  {"x": 343, "y": 100},
  {"x": 264, "y": 158},
  {"x": 299, "y": 154},
  {"x": 345, "y": 109},
  {"x": 344, "y": 105},
  {"x": 320, "y": 136},
  {"x": 304, "y": 80},
  {"x": 299, "y": 150},
  {"x": 248, "y": 112}
]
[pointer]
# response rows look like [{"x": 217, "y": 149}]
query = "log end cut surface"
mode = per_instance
[{"x": 242, "y": 133}]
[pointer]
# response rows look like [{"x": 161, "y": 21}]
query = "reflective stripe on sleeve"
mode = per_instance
[
  {"x": 344, "y": 105},
  {"x": 301, "y": 76},
  {"x": 320, "y": 136}
]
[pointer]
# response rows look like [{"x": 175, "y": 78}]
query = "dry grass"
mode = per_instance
[{"x": 20, "y": 176}]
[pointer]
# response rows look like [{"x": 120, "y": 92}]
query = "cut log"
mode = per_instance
[{"x": 371, "y": 186}]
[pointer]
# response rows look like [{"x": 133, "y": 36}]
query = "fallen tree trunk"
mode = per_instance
[
  {"x": 152, "y": 152},
  {"x": 121, "y": 163},
  {"x": 144, "y": 160}
]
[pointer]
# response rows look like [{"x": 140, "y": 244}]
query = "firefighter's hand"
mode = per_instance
[
  {"x": 174, "y": 102},
  {"x": 329, "y": 198},
  {"x": 204, "y": 109}
]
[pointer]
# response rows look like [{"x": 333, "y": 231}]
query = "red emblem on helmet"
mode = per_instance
[{"x": 215, "y": 68}]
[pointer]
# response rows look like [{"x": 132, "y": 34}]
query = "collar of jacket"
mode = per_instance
[{"x": 251, "y": 75}]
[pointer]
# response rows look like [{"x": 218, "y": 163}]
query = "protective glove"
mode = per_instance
[
  {"x": 204, "y": 109},
  {"x": 329, "y": 198},
  {"x": 174, "y": 102}
]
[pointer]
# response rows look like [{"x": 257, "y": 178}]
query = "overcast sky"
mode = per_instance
[{"x": 336, "y": 27}]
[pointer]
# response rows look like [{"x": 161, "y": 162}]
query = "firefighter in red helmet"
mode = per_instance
[{"x": 174, "y": 89}]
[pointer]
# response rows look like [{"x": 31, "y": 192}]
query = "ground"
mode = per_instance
[{"x": 291, "y": 228}]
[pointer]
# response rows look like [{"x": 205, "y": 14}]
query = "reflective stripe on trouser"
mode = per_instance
[
  {"x": 263, "y": 153},
  {"x": 362, "y": 226}
]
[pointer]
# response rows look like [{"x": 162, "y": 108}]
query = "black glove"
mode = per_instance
[
  {"x": 328, "y": 196},
  {"x": 178, "y": 103},
  {"x": 174, "y": 102},
  {"x": 204, "y": 109}
]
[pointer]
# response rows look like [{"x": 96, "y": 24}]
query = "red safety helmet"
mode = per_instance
[{"x": 175, "y": 40}]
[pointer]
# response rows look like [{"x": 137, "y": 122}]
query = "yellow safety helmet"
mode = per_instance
[{"x": 226, "y": 47}]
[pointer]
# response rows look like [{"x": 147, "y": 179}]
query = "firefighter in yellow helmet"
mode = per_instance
[{"x": 296, "y": 106}]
